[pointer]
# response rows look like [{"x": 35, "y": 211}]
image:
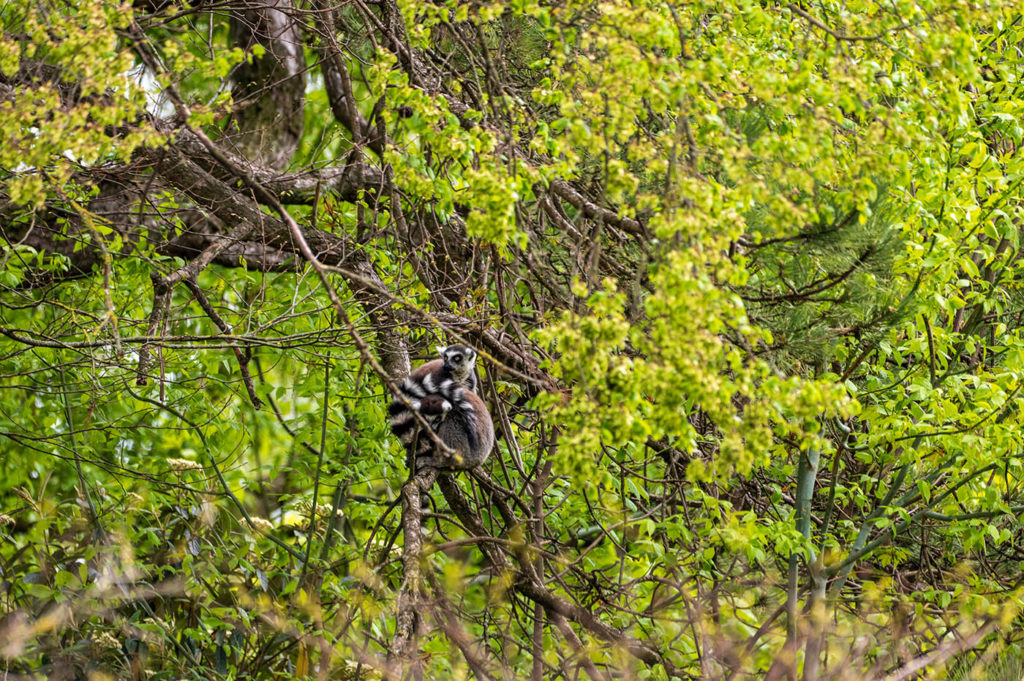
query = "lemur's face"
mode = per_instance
[{"x": 458, "y": 359}]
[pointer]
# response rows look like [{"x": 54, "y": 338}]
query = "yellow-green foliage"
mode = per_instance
[{"x": 45, "y": 136}]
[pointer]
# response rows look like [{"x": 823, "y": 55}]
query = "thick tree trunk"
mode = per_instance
[{"x": 269, "y": 90}]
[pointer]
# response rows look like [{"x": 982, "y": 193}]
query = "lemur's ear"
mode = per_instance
[{"x": 440, "y": 350}]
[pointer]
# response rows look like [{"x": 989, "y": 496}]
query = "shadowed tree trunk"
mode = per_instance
[{"x": 268, "y": 90}]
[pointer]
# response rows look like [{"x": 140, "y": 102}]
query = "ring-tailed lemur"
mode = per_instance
[{"x": 443, "y": 392}]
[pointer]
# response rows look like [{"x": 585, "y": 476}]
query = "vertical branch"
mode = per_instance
[
  {"x": 537, "y": 672},
  {"x": 409, "y": 595},
  {"x": 806, "y": 477},
  {"x": 537, "y": 528},
  {"x": 94, "y": 515},
  {"x": 785, "y": 663},
  {"x": 818, "y": 618},
  {"x": 319, "y": 468},
  {"x": 161, "y": 302}
]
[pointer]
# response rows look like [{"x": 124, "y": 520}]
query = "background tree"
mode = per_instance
[{"x": 745, "y": 279}]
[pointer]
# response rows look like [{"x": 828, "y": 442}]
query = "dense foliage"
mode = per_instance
[{"x": 745, "y": 279}]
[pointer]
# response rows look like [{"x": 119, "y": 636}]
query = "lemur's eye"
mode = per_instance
[{"x": 457, "y": 359}]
